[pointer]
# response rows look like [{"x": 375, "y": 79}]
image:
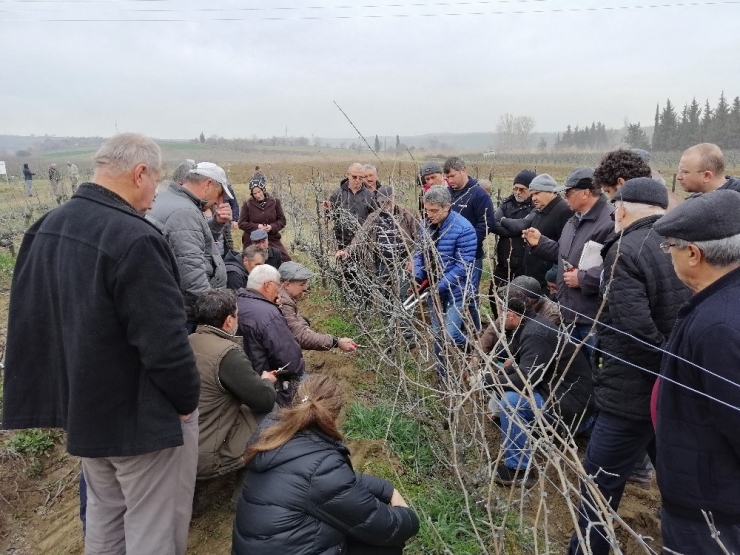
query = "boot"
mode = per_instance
[
  {"x": 201, "y": 502},
  {"x": 238, "y": 486}
]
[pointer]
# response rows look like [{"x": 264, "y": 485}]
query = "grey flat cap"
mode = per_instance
[
  {"x": 258, "y": 235},
  {"x": 703, "y": 217},
  {"x": 544, "y": 182},
  {"x": 292, "y": 271},
  {"x": 643, "y": 190},
  {"x": 581, "y": 178},
  {"x": 428, "y": 168},
  {"x": 385, "y": 192}
]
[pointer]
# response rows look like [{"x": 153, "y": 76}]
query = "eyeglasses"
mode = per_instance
[
  {"x": 355, "y": 177},
  {"x": 665, "y": 246},
  {"x": 520, "y": 189}
]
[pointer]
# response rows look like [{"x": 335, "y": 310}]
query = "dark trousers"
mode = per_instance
[
  {"x": 683, "y": 535},
  {"x": 357, "y": 548},
  {"x": 616, "y": 444}
]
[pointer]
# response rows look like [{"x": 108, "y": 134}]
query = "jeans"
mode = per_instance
[
  {"x": 452, "y": 321},
  {"x": 516, "y": 412},
  {"x": 579, "y": 333},
  {"x": 616, "y": 444},
  {"x": 29, "y": 187},
  {"x": 474, "y": 303},
  {"x": 693, "y": 536}
]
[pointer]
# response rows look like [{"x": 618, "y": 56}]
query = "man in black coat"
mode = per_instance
[
  {"x": 641, "y": 296},
  {"x": 550, "y": 215},
  {"x": 556, "y": 374},
  {"x": 510, "y": 245},
  {"x": 268, "y": 341},
  {"x": 97, "y": 345},
  {"x": 698, "y": 422}
]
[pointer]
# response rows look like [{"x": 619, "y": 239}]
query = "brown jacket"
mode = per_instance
[
  {"x": 252, "y": 215},
  {"x": 363, "y": 246},
  {"x": 308, "y": 339},
  {"x": 224, "y": 423}
]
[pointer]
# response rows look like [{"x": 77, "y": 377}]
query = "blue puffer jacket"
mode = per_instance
[
  {"x": 303, "y": 498},
  {"x": 447, "y": 263}
]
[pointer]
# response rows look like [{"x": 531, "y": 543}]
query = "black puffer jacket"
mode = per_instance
[
  {"x": 510, "y": 246},
  {"x": 643, "y": 296},
  {"x": 550, "y": 222},
  {"x": 551, "y": 364},
  {"x": 304, "y": 499}
]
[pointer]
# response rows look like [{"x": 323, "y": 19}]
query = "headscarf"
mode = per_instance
[{"x": 257, "y": 183}]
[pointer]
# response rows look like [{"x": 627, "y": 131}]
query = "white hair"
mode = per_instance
[
  {"x": 718, "y": 252},
  {"x": 370, "y": 167},
  {"x": 122, "y": 153},
  {"x": 261, "y": 275},
  {"x": 640, "y": 210}
]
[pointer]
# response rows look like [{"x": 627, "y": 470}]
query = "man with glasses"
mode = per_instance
[
  {"x": 178, "y": 213},
  {"x": 510, "y": 245},
  {"x": 268, "y": 341},
  {"x": 640, "y": 295},
  {"x": 697, "y": 395},
  {"x": 702, "y": 170},
  {"x": 350, "y": 205},
  {"x": 578, "y": 288}
]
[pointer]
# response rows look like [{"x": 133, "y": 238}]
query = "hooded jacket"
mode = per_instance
[
  {"x": 595, "y": 225},
  {"x": 178, "y": 214},
  {"x": 698, "y": 437},
  {"x": 349, "y": 211},
  {"x": 96, "y": 331},
  {"x": 643, "y": 295},
  {"x": 476, "y": 206},
  {"x": 447, "y": 261},
  {"x": 304, "y": 498},
  {"x": 733, "y": 184}
]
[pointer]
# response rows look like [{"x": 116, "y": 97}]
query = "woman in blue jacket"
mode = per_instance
[{"x": 301, "y": 496}]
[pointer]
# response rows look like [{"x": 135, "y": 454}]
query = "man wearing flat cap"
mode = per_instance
[
  {"x": 698, "y": 422},
  {"x": 430, "y": 174},
  {"x": 549, "y": 217},
  {"x": 578, "y": 285},
  {"x": 273, "y": 256},
  {"x": 178, "y": 212},
  {"x": 295, "y": 278},
  {"x": 641, "y": 295}
]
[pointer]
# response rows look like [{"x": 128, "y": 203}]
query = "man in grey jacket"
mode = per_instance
[
  {"x": 578, "y": 287},
  {"x": 178, "y": 212}
]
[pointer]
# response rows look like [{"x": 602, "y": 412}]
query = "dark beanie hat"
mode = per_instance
[
  {"x": 643, "y": 190},
  {"x": 703, "y": 217},
  {"x": 552, "y": 275},
  {"x": 524, "y": 177},
  {"x": 527, "y": 285}
]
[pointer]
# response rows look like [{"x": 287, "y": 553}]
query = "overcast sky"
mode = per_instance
[{"x": 430, "y": 72}]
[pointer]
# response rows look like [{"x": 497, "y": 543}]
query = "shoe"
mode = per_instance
[
  {"x": 641, "y": 480},
  {"x": 506, "y": 476},
  {"x": 201, "y": 502}
]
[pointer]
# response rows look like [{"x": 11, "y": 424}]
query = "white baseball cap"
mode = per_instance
[{"x": 212, "y": 171}]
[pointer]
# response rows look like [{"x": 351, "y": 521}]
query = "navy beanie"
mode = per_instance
[{"x": 524, "y": 177}]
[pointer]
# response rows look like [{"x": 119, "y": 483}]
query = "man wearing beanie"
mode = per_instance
[
  {"x": 641, "y": 295},
  {"x": 510, "y": 246},
  {"x": 697, "y": 422},
  {"x": 549, "y": 217}
]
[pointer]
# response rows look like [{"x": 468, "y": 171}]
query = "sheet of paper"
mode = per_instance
[{"x": 591, "y": 256}]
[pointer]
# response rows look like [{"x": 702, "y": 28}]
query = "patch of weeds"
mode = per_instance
[
  {"x": 7, "y": 262},
  {"x": 34, "y": 468},
  {"x": 406, "y": 437},
  {"x": 338, "y": 326},
  {"x": 33, "y": 442}
]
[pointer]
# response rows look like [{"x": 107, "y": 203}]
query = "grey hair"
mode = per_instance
[
  {"x": 718, "y": 252},
  {"x": 192, "y": 177},
  {"x": 453, "y": 163},
  {"x": 122, "y": 153},
  {"x": 486, "y": 185},
  {"x": 178, "y": 176},
  {"x": 641, "y": 210},
  {"x": 261, "y": 275},
  {"x": 370, "y": 167},
  {"x": 439, "y": 195},
  {"x": 253, "y": 250}
]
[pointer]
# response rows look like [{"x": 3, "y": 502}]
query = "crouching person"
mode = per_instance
[
  {"x": 300, "y": 493},
  {"x": 233, "y": 397},
  {"x": 546, "y": 373}
]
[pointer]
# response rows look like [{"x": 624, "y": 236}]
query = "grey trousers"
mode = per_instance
[{"x": 142, "y": 505}]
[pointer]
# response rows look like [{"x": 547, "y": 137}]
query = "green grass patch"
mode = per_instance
[
  {"x": 338, "y": 327},
  {"x": 406, "y": 437},
  {"x": 7, "y": 262},
  {"x": 33, "y": 442}
]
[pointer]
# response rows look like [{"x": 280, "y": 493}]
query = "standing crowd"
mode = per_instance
[{"x": 191, "y": 367}]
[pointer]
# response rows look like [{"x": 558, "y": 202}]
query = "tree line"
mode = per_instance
[{"x": 695, "y": 124}]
